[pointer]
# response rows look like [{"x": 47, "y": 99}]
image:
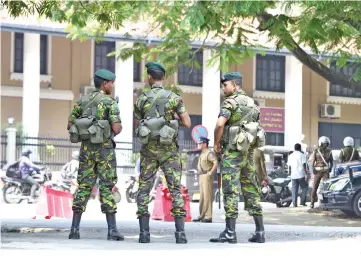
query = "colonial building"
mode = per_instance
[{"x": 43, "y": 73}]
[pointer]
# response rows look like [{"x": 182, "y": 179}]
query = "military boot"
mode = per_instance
[
  {"x": 144, "y": 235},
  {"x": 74, "y": 230},
  {"x": 113, "y": 233},
  {"x": 229, "y": 234},
  {"x": 258, "y": 236},
  {"x": 180, "y": 235}
]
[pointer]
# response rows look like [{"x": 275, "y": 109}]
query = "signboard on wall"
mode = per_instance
[{"x": 273, "y": 119}]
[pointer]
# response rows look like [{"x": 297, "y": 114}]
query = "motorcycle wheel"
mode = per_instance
[
  {"x": 131, "y": 197},
  {"x": 13, "y": 190},
  {"x": 284, "y": 204}
]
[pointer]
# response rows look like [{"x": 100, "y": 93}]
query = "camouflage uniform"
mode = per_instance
[
  {"x": 97, "y": 160},
  {"x": 346, "y": 153},
  {"x": 238, "y": 168},
  {"x": 167, "y": 157}
]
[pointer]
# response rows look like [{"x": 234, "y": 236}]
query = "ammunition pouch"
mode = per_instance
[
  {"x": 157, "y": 128},
  {"x": 74, "y": 134},
  {"x": 99, "y": 131},
  {"x": 89, "y": 128},
  {"x": 142, "y": 133}
]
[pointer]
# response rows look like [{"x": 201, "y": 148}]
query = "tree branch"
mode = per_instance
[{"x": 306, "y": 59}]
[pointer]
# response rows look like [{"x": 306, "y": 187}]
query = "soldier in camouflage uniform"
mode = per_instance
[
  {"x": 349, "y": 153},
  {"x": 97, "y": 160},
  {"x": 237, "y": 167},
  {"x": 322, "y": 162},
  {"x": 158, "y": 103}
]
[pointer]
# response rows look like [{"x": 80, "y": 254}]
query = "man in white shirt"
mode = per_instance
[{"x": 297, "y": 169}]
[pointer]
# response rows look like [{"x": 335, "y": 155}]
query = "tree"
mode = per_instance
[{"x": 326, "y": 28}]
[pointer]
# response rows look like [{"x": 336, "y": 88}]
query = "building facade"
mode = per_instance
[{"x": 43, "y": 74}]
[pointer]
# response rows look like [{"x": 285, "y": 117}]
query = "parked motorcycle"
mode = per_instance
[
  {"x": 277, "y": 191},
  {"x": 16, "y": 190},
  {"x": 132, "y": 188}
]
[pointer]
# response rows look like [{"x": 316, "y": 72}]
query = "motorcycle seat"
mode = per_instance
[{"x": 14, "y": 179}]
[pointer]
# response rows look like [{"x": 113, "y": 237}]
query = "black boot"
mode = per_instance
[
  {"x": 258, "y": 236},
  {"x": 113, "y": 233},
  {"x": 74, "y": 230},
  {"x": 180, "y": 234},
  {"x": 144, "y": 235},
  {"x": 229, "y": 234}
]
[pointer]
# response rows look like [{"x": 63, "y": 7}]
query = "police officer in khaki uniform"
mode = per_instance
[
  {"x": 349, "y": 153},
  {"x": 207, "y": 165}
]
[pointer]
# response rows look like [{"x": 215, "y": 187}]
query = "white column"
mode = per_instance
[
  {"x": 210, "y": 94},
  {"x": 293, "y": 102},
  {"x": 31, "y": 84},
  {"x": 31, "y": 91},
  {"x": 10, "y": 145},
  {"x": 124, "y": 86}
]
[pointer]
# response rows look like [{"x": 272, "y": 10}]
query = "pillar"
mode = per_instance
[
  {"x": 10, "y": 145},
  {"x": 210, "y": 94},
  {"x": 31, "y": 91},
  {"x": 31, "y": 84},
  {"x": 293, "y": 102},
  {"x": 124, "y": 86}
]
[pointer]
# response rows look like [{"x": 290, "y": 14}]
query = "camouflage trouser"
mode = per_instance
[
  {"x": 96, "y": 163},
  {"x": 239, "y": 168},
  {"x": 153, "y": 156}
]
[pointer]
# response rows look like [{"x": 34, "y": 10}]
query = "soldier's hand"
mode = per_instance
[{"x": 217, "y": 148}]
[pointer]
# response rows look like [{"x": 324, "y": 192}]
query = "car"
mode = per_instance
[{"x": 343, "y": 191}]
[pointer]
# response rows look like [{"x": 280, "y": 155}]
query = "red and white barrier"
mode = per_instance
[
  {"x": 53, "y": 203},
  {"x": 163, "y": 205}
]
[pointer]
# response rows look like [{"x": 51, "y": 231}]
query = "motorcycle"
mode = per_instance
[
  {"x": 277, "y": 191},
  {"x": 132, "y": 188},
  {"x": 17, "y": 190}
]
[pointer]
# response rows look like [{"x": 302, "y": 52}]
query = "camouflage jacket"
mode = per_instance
[
  {"x": 345, "y": 154},
  {"x": 234, "y": 112},
  {"x": 174, "y": 106},
  {"x": 107, "y": 110}
]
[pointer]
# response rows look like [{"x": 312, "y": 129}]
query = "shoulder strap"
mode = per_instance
[
  {"x": 153, "y": 101},
  {"x": 323, "y": 159},
  {"x": 353, "y": 152},
  {"x": 95, "y": 101}
]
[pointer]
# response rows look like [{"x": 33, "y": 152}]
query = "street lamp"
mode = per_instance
[{"x": 11, "y": 121}]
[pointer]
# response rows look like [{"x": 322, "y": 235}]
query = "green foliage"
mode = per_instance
[{"x": 228, "y": 27}]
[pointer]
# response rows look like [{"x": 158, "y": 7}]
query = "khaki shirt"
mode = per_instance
[
  {"x": 206, "y": 161},
  {"x": 259, "y": 163},
  {"x": 318, "y": 160}
]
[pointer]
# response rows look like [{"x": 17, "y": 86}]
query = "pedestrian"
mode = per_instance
[
  {"x": 297, "y": 169},
  {"x": 349, "y": 153},
  {"x": 207, "y": 165},
  {"x": 237, "y": 166},
  {"x": 322, "y": 162},
  {"x": 94, "y": 120},
  {"x": 155, "y": 112}
]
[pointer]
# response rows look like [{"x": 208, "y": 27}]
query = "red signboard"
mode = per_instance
[{"x": 273, "y": 119}]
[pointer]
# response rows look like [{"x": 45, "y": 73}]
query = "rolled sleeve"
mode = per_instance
[
  {"x": 226, "y": 109},
  {"x": 75, "y": 113},
  {"x": 114, "y": 116},
  {"x": 180, "y": 108}
]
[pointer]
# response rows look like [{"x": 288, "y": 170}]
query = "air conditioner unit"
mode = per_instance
[
  {"x": 84, "y": 90},
  {"x": 330, "y": 111}
]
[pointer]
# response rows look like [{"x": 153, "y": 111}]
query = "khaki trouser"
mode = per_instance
[
  {"x": 323, "y": 174},
  {"x": 206, "y": 196}
]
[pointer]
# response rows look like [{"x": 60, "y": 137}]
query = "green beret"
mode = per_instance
[
  {"x": 155, "y": 66},
  {"x": 105, "y": 74},
  {"x": 231, "y": 76}
]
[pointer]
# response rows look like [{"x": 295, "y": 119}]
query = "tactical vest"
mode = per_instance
[
  {"x": 88, "y": 127},
  {"x": 154, "y": 125},
  {"x": 246, "y": 132}
]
